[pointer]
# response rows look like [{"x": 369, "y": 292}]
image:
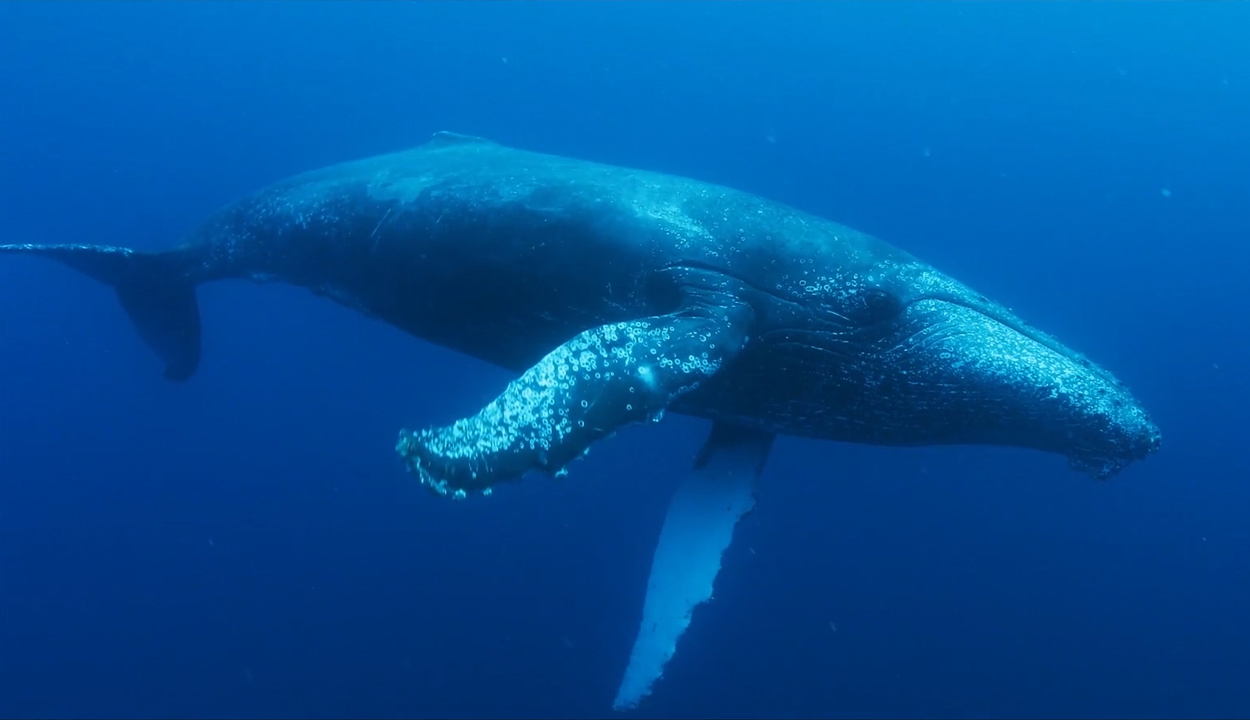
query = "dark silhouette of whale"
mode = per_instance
[{"x": 618, "y": 294}]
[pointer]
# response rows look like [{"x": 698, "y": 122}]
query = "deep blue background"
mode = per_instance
[{"x": 247, "y": 543}]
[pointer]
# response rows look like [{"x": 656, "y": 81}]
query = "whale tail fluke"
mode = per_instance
[{"x": 157, "y": 290}]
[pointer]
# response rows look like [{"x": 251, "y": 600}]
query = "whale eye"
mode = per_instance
[{"x": 876, "y": 306}]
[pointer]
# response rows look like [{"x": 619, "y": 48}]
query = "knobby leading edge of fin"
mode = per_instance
[{"x": 698, "y": 528}]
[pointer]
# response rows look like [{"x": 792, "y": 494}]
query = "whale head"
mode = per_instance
[
  {"x": 992, "y": 378},
  {"x": 897, "y": 353}
]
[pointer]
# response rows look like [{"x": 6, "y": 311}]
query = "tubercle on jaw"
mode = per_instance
[{"x": 1100, "y": 470}]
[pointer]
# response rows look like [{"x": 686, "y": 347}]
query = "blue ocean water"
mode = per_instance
[{"x": 246, "y": 544}]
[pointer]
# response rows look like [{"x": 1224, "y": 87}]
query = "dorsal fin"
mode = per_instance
[{"x": 445, "y": 137}]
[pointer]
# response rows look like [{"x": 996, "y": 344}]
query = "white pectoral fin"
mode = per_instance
[{"x": 697, "y": 529}]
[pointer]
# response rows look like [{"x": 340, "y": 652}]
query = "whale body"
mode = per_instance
[{"x": 616, "y": 295}]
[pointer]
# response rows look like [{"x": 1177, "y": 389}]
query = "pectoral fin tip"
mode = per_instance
[{"x": 698, "y": 528}]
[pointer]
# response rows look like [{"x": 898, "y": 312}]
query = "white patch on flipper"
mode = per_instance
[{"x": 697, "y": 529}]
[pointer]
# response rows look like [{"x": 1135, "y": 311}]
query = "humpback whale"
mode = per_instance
[{"x": 615, "y": 295}]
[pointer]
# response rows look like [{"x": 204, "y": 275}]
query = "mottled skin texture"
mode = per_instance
[{"x": 618, "y": 293}]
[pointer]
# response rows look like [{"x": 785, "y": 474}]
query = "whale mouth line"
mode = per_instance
[
  {"x": 1120, "y": 434},
  {"x": 1103, "y": 466},
  {"x": 746, "y": 281}
]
